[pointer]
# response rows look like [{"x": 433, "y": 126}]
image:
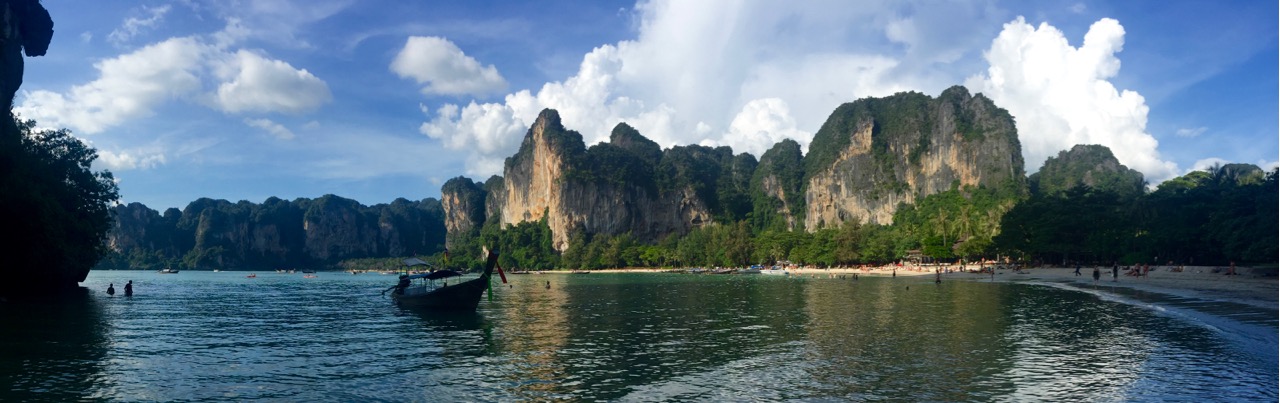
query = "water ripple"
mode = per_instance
[{"x": 220, "y": 336}]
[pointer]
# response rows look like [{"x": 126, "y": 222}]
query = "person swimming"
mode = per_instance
[{"x": 111, "y": 289}]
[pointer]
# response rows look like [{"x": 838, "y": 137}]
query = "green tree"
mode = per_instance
[{"x": 62, "y": 207}]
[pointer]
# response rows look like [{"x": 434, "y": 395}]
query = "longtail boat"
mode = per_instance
[{"x": 431, "y": 291}]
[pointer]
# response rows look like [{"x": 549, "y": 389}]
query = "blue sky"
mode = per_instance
[{"x": 374, "y": 100}]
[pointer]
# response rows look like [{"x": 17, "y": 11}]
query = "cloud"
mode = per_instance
[
  {"x": 1205, "y": 164},
  {"x": 1061, "y": 95},
  {"x": 129, "y": 160},
  {"x": 444, "y": 69},
  {"x": 131, "y": 85},
  {"x": 134, "y": 25},
  {"x": 487, "y": 131},
  {"x": 275, "y": 129},
  {"x": 1191, "y": 132},
  {"x": 745, "y": 75},
  {"x": 128, "y": 87},
  {"x": 260, "y": 84},
  {"x": 761, "y": 124}
]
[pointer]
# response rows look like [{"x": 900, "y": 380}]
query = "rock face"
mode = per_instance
[
  {"x": 464, "y": 207},
  {"x": 776, "y": 187},
  {"x": 873, "y": 154},
  {"x": 1089, "y": 165},
  {"x": 870, "y": 156},
  {"x": 609, "y": 189},
  {"x": 219, "y": 234}
]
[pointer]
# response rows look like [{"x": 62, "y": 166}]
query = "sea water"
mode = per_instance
[{"x": 204, "y": 336}]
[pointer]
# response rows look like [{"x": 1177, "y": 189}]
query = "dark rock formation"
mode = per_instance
[
  {"x": 211, "y": 234},
  {"x": 26, "y": 25}
]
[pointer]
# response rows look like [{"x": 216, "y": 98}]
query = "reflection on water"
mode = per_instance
[
  {"x": 52, "y": 349},
  {"x": 631, "y": 337}
]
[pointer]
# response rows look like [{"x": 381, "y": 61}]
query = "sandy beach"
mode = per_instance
[{"x": 1192, "y": 281}]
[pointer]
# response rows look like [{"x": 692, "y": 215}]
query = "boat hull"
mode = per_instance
[
  {"x": 464, "y": 296},
  {"x": 460, "y": 297}
]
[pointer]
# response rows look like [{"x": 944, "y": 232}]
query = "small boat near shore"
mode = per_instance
[
  {"x": 776, "y": 271},
  {"x": 167, "y": 271}
]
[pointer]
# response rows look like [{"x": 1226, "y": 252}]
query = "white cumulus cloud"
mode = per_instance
[
  {"x": 761, "y": 124},
  {"x": 1061, "y": 95},
  {"x": 443, "y": 68},
  {"x": 132, "y": 85},
  {"x": 128, "y": 86},
  {"x": 260, "y": 84}
]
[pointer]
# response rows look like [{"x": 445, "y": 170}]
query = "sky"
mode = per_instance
[{"x": 375, "y": 100}]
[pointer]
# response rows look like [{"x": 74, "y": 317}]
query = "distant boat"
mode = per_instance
[
  {"x": 775, "y": 270},
  {"x": 168, "y": 271},
  {"x": 309, "y": 276},
  {"x": 421, "y": 291},
  {"x": 580, "y": 272},
  {"x": 255, "y": 275}
]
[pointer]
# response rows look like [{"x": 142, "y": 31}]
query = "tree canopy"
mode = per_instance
[{"x": 60, "y": 209}]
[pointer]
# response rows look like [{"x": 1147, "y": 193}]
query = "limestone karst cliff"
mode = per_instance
[
  {"x": 218, "y": 234},
  {"x": 626, "y": 185},
  {"x": 1088, "y": 165},
  {"x": 870, "y": 156},
  {"x": 875, "y": 153}
]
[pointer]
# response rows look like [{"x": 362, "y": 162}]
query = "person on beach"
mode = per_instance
[
  {"x": 111, "y": 289},
  {"x": 1115, "y": 272},
  {"x": 1097, "y": 274},
  {"x": 128, "y": 289},
  {"x": 1077, "y": 270}
]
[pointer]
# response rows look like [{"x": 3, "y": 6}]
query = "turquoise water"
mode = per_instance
[{"x": 203, "y": 336}]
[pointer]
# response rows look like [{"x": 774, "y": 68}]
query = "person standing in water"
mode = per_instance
[
  {"x": 1115, "y": 272},
  {"x": 128, "y": 289},
  {"x": 111, "y": 289}
]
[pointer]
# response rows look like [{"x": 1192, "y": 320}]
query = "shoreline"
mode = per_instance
[{"x": 1194, "y": 281}]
